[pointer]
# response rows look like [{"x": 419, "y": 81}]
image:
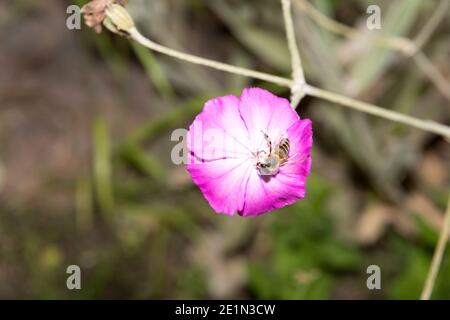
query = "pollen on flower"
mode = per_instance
[{"x": 250, "y": 154}]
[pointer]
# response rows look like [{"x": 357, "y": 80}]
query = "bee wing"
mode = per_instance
[{"x": 296, "y": 157}]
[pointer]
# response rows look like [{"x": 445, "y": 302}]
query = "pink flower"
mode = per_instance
[{"x": 249, "y": 155}]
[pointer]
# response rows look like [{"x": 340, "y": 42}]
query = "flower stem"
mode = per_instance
[
  {"x": 426, "y": 125},
  {"x": 437, "y": 257},
  {"x": 297, "y": 89},
  {"x": 137, "y": 36}
]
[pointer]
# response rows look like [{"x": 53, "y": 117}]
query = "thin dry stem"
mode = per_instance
[
  {"x": 427, "y": 125},
  {"x": 138, "y": 37},
  {"x": 297, "y": 89},
  {"x": 437, "y": 257}
]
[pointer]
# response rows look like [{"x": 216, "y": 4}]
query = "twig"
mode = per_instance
[
  {"x": 426, "y": 125},
  {"x": 437, "y": 257},
  {"x": 138, "y": 37},
  {"x": 297, "y": 90}
]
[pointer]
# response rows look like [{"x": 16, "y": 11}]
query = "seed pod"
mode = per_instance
[{"x": 118, "y": 20}]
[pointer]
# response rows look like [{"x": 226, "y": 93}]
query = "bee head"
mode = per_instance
[{"x": 268, "y": 166}]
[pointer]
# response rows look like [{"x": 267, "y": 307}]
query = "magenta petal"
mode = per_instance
[
  {"x": 264, "y": 112},
  {"x": 218, "y": 131},
  {"x": 222, "y": 182},
  {"x": 257, "y": 200},
  {"x": 218, "y": 142},
  {"x": 300, "y": 136},
  {"x": 267, "y": 194}
]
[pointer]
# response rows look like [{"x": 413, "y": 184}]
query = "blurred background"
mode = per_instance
[{"x": 86, "y": 176}]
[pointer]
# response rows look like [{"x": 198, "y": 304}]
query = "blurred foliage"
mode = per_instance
[
  {"x": 305, "y": 255},
  {"x": 414, "y": 266}
]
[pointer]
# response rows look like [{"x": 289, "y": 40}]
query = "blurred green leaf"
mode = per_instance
[
  {"x": 155, "y": 71},
  {"x": 84, "y": 202},
  {"x": 102, "y": 167},
  {"x": 144, "y": 162}
]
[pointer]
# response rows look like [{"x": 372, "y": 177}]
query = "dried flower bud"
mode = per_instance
[
  {"x": 118, "y": 20},
  {"x": 95, "y": 12}
]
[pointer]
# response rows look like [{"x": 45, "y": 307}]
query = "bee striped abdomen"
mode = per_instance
[{"x": 283, "y": 147}]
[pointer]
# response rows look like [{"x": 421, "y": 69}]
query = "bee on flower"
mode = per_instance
[{"x": 259, "y": 157}]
